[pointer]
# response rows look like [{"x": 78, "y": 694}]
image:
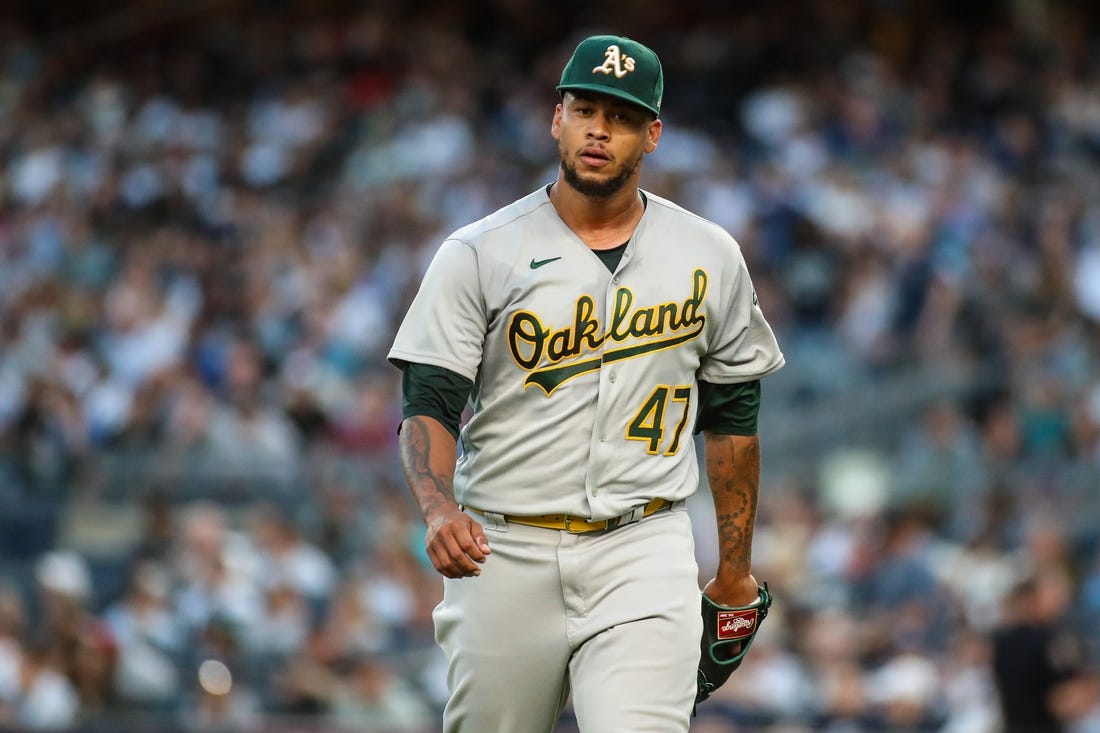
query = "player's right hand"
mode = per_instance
[{"x": 455, "y": 542}]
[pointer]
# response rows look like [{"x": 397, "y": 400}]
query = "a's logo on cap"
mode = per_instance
[{"x": 615, "y": 63}]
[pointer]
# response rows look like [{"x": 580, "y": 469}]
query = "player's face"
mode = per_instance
[{"x": 601, "y": 141}]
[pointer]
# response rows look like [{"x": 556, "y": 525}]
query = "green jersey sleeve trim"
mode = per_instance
[
  {"x": 728, "y": 409},
  {"x": 435, "y": 392}
]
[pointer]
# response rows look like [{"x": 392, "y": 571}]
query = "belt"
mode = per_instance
[{"x": 580, "y": 525}]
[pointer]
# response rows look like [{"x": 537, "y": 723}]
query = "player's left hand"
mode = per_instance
[
  {"x": 729, "y": 628},
  {"x": 733, "y": 592}
]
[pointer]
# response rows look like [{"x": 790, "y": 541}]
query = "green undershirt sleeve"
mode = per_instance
[
  {"x": 728, "y": 409},
  {"x": 435, "y": 392}
]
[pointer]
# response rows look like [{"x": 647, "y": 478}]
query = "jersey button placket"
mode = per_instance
[{"x": 593, "y": 479}]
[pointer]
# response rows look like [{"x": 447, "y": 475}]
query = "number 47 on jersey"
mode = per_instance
[{"x": 649, "y": 422}]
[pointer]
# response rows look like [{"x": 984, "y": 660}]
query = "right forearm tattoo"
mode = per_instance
[{"x": 430, "y": 488}]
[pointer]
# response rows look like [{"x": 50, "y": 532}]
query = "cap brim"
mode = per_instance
[{"x": 609, "y": 91}]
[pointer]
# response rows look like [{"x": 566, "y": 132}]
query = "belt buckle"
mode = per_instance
[{"x": 630, "y": 517}]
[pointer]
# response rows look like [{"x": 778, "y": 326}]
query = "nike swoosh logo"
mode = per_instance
[{"x": 536, "y": 264}]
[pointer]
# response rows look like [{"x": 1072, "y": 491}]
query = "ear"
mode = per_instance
[
  {"x": 555, "y": 125},
  {"x": 653, "y": 136}
]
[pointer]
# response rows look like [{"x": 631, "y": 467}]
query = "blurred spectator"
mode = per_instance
[
  {"x": 833, "y": 649},
  {"x": 350, "y": 626},
  {"x": 970, "y": 701},
  {"x": 150, "y": 640},
  {"x": 283, "y": 625},
  {"x": 215, "y": 568},
  {"x": 907, "y": 609},
  {"x": 70, "y": 638},
  {"x": 46, "y": 698},
  {"x": 1034, "y": 653},
  {"x": 247, "y": 436},
  {"x": 906, "y": 693},
  {"x": 372, "y": 693},
  {"x": 13, "y": 637},
  {"x": 285, "y": 559},
  {"x": 940, "y": 471},
  {"x": 355, "y": 692},
  {"x": 1076, "y": 702},
  {"x": 401, "y": 592},
  {"x": 978, "y": 575}
]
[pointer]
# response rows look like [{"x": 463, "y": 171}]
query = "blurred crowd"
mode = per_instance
[{"x": 210, "y": 224}]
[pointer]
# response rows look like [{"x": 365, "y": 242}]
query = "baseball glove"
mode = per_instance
[{"x": 728, "y": 632}]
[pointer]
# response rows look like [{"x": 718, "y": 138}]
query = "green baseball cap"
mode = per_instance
[{"x": 617, "y": 66}]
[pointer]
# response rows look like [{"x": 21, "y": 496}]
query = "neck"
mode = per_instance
[{"x": 599, "y": 222}]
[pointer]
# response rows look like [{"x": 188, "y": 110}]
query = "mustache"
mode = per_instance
[{"x": 602, "y": 151}]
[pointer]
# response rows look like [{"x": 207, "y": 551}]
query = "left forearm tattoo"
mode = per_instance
[{"x": 733, "y": 469}]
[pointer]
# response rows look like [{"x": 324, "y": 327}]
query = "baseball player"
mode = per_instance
[{"x": 594, "y": 328}]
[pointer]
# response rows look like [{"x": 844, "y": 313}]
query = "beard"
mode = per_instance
[{"x": 599, "y": 189}]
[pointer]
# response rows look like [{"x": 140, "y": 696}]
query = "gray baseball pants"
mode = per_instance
[{"x": 611, "y": 618}]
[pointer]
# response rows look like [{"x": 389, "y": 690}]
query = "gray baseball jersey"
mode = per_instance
[{"x": 585, "y": 381}]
